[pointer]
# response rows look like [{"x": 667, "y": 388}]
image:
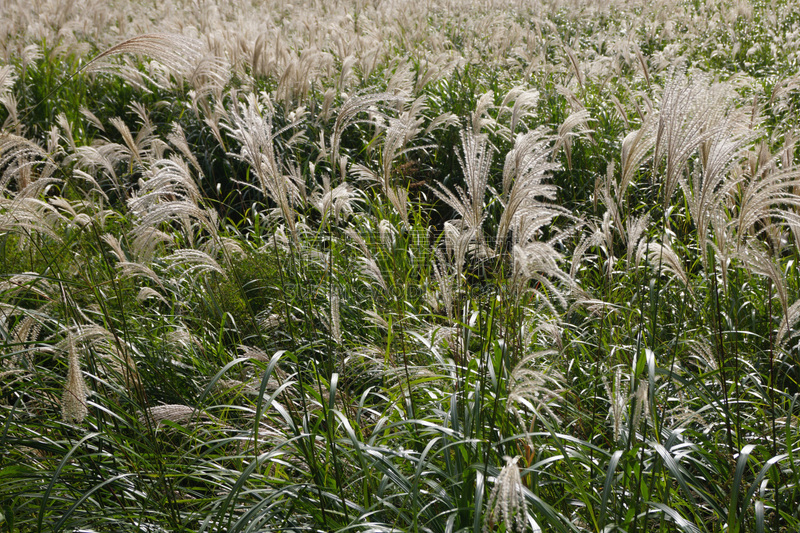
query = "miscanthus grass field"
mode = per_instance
[{"x": 399, "y": 265}]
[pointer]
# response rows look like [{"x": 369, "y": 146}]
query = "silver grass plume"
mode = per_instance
[
  {"x": 641, "y": 406},
  {"x": 190, "y": 218},
  {"x": 432, "y": 69},
  {"x": 536, "y": 390},
  {"x": 636, "y": 227},
  {"x": 538, "y": 261},
  {"x": 618, "y": 399},
  {"x": 171, "y": 49},
  {"x": 757, "y": 259},
  {"x": 370, "y": 269},
  {"x": 398, "y": 135},
  {"x": 457, "y": 244},
  {"x": 146, "y": 293},
  {"x": 18, "y": 159},
  {"x": 99, "y": 163},
  {"x": 74, "y": 398},
  {"x": 507, "y": 499},
  {"x": 480, "y": 117},
  {"x": 191, "y": 262},
  {"x": 611, "y": 202},
  {"x": 402, "y": 80},
  {"x": 133, "y": 147},
  {"x": 30, "y": 217},
  {"x": 527, "y": 165},
  {"x": 387, "y": 233},
  {"x": 335, "y": 322},
  {"x": 525, "y": 101},
  {"x": 175, "y": 413},
  {"x": 251, "y": 125},
  {"x": 113, "y": 355},
  {"x": 587, "y": 241},
  {"x": 706, "y": 192},
  {"x": 182, "y": 56},
  {"x": 574, "y": 125},
  {"x": 445, "y": 282},
  {"x": 786, "y": 330},
  {"x": 636, "y": 147},
  {"x": 704, "y": 353},
  {"x": 663, "y": 258},
  {"x": 7, "y": 98},
  {"x": 348, "y": 114},
  {"x": 475, "y": 164},
  {"x": 337, "y": 204},
  {"x": 770, "y": 196},
  {"x": 166, "y": 180},
  {"x": 691, "y": 112},
  {"x": 177, "y": 138}
]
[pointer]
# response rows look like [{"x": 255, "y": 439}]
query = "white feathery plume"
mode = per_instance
[
  {"x": 756, "y": 258},
  {"x": 133, "y": 148},
  {"x": 635, "y": 229},
  {"x": 190, "y": 218},
  {"x": 771, "y": 194},
  {"x": 480, "y": 117},
  {"x": 788, "y": 323},
  {"x": 445, "y": 282},
  {"x": 537, "y": 390},
  {"x": 398, "y": 197},
  {"x": 165, "y": 180},
  {"x": 338, "y": 202},
  {"x": 398, "y": 134},
  {"x": 349, "y": 112},
  {"x": 457, "y": 243},
  {"x": 335, "y": 323},
  {"x": 74, "y": 398},
  {"x": 371, "y": 269},
  {"x": 618, "y": 399},
  {"x": 7, "y": 98},
  {"x": 578, "y": 120},
  {"x": 475, "y": 163},
  {"x": 30, "y": 215},
  {"x": 145, "y": 293},
  {"x": 538, "y": 261},
  {"x": 181, "y": 57},
  {"x": 387, "y": 233},
  {"x": 691, "y": 113},
  {"x": 587, "y": 241},
  {"x": 526, "y": 167},
  {"x": 507, "y": 500},
  {"x": 101, "y": 159},
  {"x": 707, "y": 192},
  {"x": 662, "y": 256},
  {"x": 192, "y": 262},
  {"x": 251, "y": 125},
  {"x": 177, "y": 138},
  {"x": 636, "y": 146},
  {"x": 175, "y": 413},
  {"x": 18, "y": 159},
  {"x": 641, "y": 406},
  {"x": 525, "y": 101}
]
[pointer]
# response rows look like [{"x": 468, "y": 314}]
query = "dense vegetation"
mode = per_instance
[{"x": 395, "y": 265}]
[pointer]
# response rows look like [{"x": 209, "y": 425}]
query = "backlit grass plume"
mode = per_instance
[
  {"x": 507, "y": 500},
  {"x": 73, "y": 401}
]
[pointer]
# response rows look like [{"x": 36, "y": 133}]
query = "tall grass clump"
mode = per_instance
[{"x": 399, "y": 266}]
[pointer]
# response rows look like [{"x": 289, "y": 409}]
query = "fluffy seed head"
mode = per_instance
[
  {"x": 507, "y": 499},
  {"x": 73, "y": 402}
]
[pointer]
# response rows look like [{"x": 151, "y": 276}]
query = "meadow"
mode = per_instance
[{"x": 399, "y": 265}]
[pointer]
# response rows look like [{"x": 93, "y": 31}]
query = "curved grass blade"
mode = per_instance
[
  {"x": 612, "y": 467},
  {"x": 56, "y": 474},
  {"x": 83, "y": 498}
]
